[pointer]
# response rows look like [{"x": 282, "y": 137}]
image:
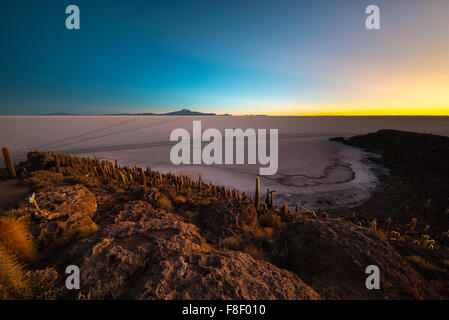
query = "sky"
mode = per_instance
[{"x": 240, "y": 57}]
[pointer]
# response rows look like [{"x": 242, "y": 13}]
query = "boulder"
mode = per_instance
[
  {"x": 147, "y": 254},
  {"x": 332, "y": 257},
  {"x": 65, "y": 215}
]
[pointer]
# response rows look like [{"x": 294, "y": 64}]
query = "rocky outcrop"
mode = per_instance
[
  {"x": 66, "y": 214},
  {"x": 226, "y": 218},
  {"x": 147, "y": 254},
  {"x": 332, "y": 256}
]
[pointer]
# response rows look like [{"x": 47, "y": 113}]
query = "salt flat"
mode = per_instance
[{"x": 313, "y": 171}]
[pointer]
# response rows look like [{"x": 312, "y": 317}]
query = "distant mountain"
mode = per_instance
[
  {"x": 60, "y": 114},
  {"x": 187, "y": 112},
  {"x": 134, "y": 114},
  {"x": 183, "y": 112}
]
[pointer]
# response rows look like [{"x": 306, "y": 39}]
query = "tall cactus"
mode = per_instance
[
  {"x": 387, "y": 224},
  {"x": 257, "y": 194},
  {"x": 8, "y": 162},
  {"x": 143, "y": 177},
  {"x": 284, "y": 208},
  {"x": 58, "y": 164}
]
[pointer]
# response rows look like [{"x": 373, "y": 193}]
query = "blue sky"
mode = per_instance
[{"x": 274, "y": 57}]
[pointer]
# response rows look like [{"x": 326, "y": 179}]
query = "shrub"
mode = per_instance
[
  {"x": 44, "y": 284},
  {"x": 255, "y": 252},
  {"x": 179, "y": 200},
  {"x": 190, "y": 216},
  {"x": 230, "y": 243},
  {"x": 268, "y": 232},
  {"x": 164, "y": 204},
  {"x": 105, "y": 290},
  {"x": 15, "y": 237},
  {"x": 269, "y": 220},
  {"x": 77, "y": 231},
  {"x": 13, "y": 283}
]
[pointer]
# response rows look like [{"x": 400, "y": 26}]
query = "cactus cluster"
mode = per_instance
[
  {"x": 125, "y": 176},
  {"x": 425, "y": 242}
]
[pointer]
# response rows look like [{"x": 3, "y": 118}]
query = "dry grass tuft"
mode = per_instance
[
  {"x": 230, "y": 243},
  {"x": 164, "y": 204},
  {"x": 269, "y": 220},
  {"x": 13, "y": 283},
  {"x": 105, "y": 291},
  {"x": 16, "y": 239},
  {"x": 77, "y": 232},
  {"x": 179, "y": 200}
]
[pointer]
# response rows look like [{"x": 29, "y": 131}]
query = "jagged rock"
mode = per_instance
[
  {"x": 65, "y": 214},
  {"x": 332, "y": 256},
  {"x": 148, "y": 254},
  {"x": 226, "y": 218}
]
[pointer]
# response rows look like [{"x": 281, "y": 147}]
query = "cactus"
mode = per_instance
[
  {"x": 8, "y": 162},
  {"x": 297, "y": 208},
  {"x": 387, "y": 224},
  {"x": 426, "y": 242},
  {"x": 430, "y": 244},
  {"x": 257, "y": 193},
  {"x": 122, "y": 178},
  {"x": 284, "y": 208},
  {"x": 58, "y": 165},
  {"x": 373, "y": 225},
  {"x": 443, "y": 238},
  {"x": 142, "y": 176},
  {"x": 426, "y": 208},
  {"x": 271, "y": 200},
  {"x": 410, "y": 228}
]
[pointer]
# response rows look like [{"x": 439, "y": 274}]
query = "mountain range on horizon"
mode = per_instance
[{"x": 182, "y": 112}]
